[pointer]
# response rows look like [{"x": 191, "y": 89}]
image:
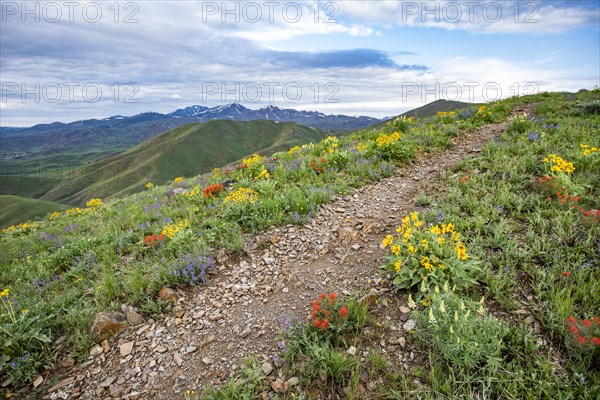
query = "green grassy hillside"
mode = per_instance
[
  {"x": 14, "y": 209},
  {"x": 189, "y": 150}
]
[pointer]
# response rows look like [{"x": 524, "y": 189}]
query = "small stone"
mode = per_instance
[
  {"x": 37, "y": 380},
  {"x": 126, "y": 349},
  {"x": 267, "y": 368},
  {"x": 277, "y": 387},
  {"x": 285, "y": 290},
  {"x": 355, "y": 247},
  {"x": 293, "y": 381},
  {"x": 96, "y": 350},
  {"x": 178, "y": 360},
  {"x": 106, "y": 325},
  {"x": 402, "y": 341},
  {"x": 134, "y": 318},
  {"x": 409, "y": 325},
  {"x": 160, "y": 349},
  {"x": 351, "y": 350},
  {"x": 207, "y": 360},
  {"x": 268, "y": 260},
  {"x": 404, "y": 310},
  {"x": 167, "y": 294},
  {"x": 107, "y": 382},
  {"x": 190, "y": 349}
]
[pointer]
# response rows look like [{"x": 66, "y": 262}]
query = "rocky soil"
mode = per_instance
[{"x": 238, "y": 313}]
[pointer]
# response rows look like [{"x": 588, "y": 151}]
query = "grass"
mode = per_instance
[
  {"x": 64, "y": 270},
  {"x": 16, "y": 209}
]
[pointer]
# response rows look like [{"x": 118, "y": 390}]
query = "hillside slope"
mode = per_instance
[
  {"x": 189, "y": 150},
  {"x": 15, "y": 209}
]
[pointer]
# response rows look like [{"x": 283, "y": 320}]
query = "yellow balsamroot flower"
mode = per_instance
[
  {"x": 252, "y": 160},
  {"x": 396, "y": 250},
  {"x": 411, "y": 249},
  {"x": 93, "y": 203},
  {"x": 387, "y": 241},
  {"x": 171, "y": 230},
  {"x": 587, "y": 150},
  {"x": 294, "y": 149},
  {"x": 264, "y": 174},
  {"x": 4, "y": 293},
  {"x": 418, "y": 223},
  {"x": 54, "y": 215},
  {"x": 242, "y": 195},
  {"x": 397, "y": 265},
  {"x": 436, "y": 230},
  {"x": 461, "y": 251},
  {"x": 441, "y": 240},
  {"x": 385, "y": 140},
  {"x": 361, "y": 147},
  {"x": 558, "y": 164},
  {"x": 424, "y": 243},
  {"x": 149, "y": 185},
  {"x": 414, "y": 215},
  {"x": 178, "y": 179},
  {"x": 456, "y": 236}
]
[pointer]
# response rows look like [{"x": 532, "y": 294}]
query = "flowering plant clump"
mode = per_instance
[
  {"x": 192, "y": 269},
  {"x": 585, "y": 332},
  {"x": 318, "y": 166},
  {"x": 254, "y": 159},
  {"x": 149, "y": 185},
  {"x": 329, "y": 314},
  {"x": 171, "y": 230},
  {"x": 587, "y": 150},
  {"x": 178, "y": 179},
  {"x": 548, "y": 186},
  {"x": 242, "y": 195},
  {"x": 428, "y": 256},
  {"x": 54, "y": 215},
  {"x": 24, "y": 227},
  {"x": 446, "y": 117},
  {"x": 462, "y": 331},
  {"x": 294, "y": 149},
  {"x": 400, "y": 124},
  {"x": 93, "y": 203},
  {"x": 558, "y": 164},
  {"x": 263, "y": 175},
  {"x": 154, "y": 240},
  {"x": 591, "y": 216},
  {"x": 212, "y": 190}
]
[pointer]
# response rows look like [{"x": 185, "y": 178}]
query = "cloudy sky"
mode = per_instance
[{"x": 65, "y": 61}]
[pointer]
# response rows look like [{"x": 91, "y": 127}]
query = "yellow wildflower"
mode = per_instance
[
  {"x": 178, "y": 179},
  {"x": 293, "y": 149},
  {"x": 411, "y": 249},
  {"x": 425, "y": 243},
  {"x": 242, "y": 195},
  {"x": 387, "y": 241},
  {"x": 4, "y": 293},
  {"x": 93, "y": 203},
  {"x": 149, "y": 185},
  {"x": 397, "y": 265},
  {"x": 264, "y": 174},
  {"x": 436, "y": 230},
  {"x": 396, "y": 250}
]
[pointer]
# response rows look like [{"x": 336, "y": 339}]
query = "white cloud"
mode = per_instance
[{"x": 484, "y": 16}]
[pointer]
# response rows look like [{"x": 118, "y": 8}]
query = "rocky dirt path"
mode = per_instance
[{"x": 238, "y": 312}]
